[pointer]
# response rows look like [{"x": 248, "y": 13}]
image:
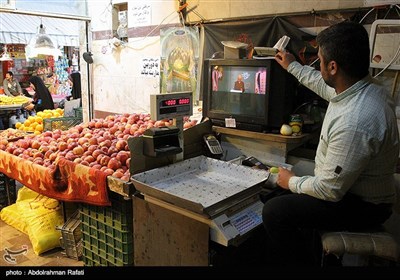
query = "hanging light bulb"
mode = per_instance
[
  {"x": 42, "y": 44},
  {"x": 5, "y": 56}
]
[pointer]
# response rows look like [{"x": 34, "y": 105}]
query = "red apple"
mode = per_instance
[
  {"x": 97, "y": 153},
  {"x": 78, "y": 150},
  {"x": 122, "y": 156},
  {"x": 114, "y": 164},
  {"x": 118, "y": 174},
  {"x": 104, "y": 160},
  {"x": 62, "y": 146},
  {"x": 89, "y": 159},
  {"x": 35, "y": 144},
  {"x": 93, "y": 141},
  {"x": 92, "y": 148}
]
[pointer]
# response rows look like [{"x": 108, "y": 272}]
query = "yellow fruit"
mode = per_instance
[
  {"x": 33, "y": 125},
  {"x": 286, "y": 130},
  {"x": 296, "y": 128},
  {"x": 274, "y": 169},
  {"x": 39, "y": 127},
  {"x": 18, "y": 125},
  {"x": 36, "y": 132},
  {"x": 38, "y": 119}
]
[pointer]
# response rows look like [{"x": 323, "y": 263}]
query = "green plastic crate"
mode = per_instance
[
  {"x": 71, "y": 236},
  {"x": 63, "y": 123},
  {"x": 107, "y": 233},
  {"x": 78, "y": 112}
]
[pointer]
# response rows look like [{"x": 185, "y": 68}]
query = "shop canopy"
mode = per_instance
[{"x": 19, "y": 29}]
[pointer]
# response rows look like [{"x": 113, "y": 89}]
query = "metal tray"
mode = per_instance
[{"x": 201, "y": 184}]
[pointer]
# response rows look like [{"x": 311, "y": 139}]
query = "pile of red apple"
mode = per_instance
[{"x": 99, "y": 143}]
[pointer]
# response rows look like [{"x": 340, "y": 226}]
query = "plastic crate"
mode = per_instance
[
  {"x": 63, "y": 123},
  {"x": 7, "y": 197},
  {"x": 78, "y": 112},
  {"x": 71, "y": 236},
  {"x": 107, "y": 233}
]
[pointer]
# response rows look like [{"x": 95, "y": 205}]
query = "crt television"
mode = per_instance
[{"x": 248, "y": 94}]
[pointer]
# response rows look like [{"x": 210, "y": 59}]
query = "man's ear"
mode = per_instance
[{"x": 332, "y": 67}]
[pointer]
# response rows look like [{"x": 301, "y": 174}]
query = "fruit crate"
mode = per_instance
[
  {"x": 107, "y": 233},
  {"x": 7, "y": 195},
  {"x": 71, "y": 236},
  {"x": 78, "y": 112},
  {"x": 63, "y": 123}
]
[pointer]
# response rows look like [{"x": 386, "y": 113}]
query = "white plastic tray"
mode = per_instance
[{"x": 200, "y": 182}]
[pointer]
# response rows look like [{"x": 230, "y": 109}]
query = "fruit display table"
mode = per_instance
[{"x": 10, "y": 107}]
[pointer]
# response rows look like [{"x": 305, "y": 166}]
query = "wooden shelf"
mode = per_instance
[
  {"x": 265, "y": 136},
  {"x": 266, "y": 147}
]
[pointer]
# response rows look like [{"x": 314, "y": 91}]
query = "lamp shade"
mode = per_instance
[
  {"x": 42, "y": 40},
  {"x": 42, "y": 44},
  {"x": 5, "y": 56}
]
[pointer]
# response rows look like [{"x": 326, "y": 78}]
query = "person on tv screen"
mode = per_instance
[
  {"x": 216, "y": 76},
  {"x": 353, "y": 183},
  {"x": 239, "y": 84},
  {"x": 261, "y": 81}
]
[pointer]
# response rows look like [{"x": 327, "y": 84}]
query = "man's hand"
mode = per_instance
[
  {"x": 283, "y": 177},
  {"x": 284, "y": 58}
]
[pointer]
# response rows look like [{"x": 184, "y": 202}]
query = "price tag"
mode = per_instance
[{"x": 230, "y": 122}]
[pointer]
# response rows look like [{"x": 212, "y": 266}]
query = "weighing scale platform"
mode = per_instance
[{"x": 227, "y": 194}]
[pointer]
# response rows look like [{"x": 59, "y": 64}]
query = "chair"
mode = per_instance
[{"x": 363, "y": 248}]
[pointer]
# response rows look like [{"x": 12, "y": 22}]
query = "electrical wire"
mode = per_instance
[
  {"x": 370, "y": 11},
  {"x": 108, "y": 9},
  {"x": 148, "y": 34},
  {"x": 398, "y": 7},
  {"x": 155, "y": 28},
  {"x": 390, "y": 63}
]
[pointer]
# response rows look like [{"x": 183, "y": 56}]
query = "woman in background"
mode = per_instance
[
  {"x": 75, "y": 78},
  {"x": 42, "y": 98}
]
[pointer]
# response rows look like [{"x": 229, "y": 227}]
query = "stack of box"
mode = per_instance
[{"x": 107, "y": 233}]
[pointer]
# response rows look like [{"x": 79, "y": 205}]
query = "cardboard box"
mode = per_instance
[{"x": 234, "y": 53}]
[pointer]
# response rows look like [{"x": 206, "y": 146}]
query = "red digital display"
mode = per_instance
[
  {"x": 175, "y": 101},
  {"x": 170, "y": 102},
  {"x": 183, "y": 101}
]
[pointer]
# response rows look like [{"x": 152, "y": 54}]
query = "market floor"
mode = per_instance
[{"x": 12, "y": 240}]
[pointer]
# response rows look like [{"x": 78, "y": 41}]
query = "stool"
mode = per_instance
[
  {"x": 378, "y": 242},
  {"x": 364, "y": 245}
]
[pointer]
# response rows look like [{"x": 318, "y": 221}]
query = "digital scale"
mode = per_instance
[
  {"x": 180, "y": 205},
  {"x": 226, "y": 194},
  {"x": 171, "y": 105}
]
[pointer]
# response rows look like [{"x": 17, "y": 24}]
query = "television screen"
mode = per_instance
[
  {"x": 257, "y": 94},
  {"x": 239, "y": 90}
]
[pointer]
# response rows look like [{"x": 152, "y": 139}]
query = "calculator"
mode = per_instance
[{"x": 213, "y": 145}]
